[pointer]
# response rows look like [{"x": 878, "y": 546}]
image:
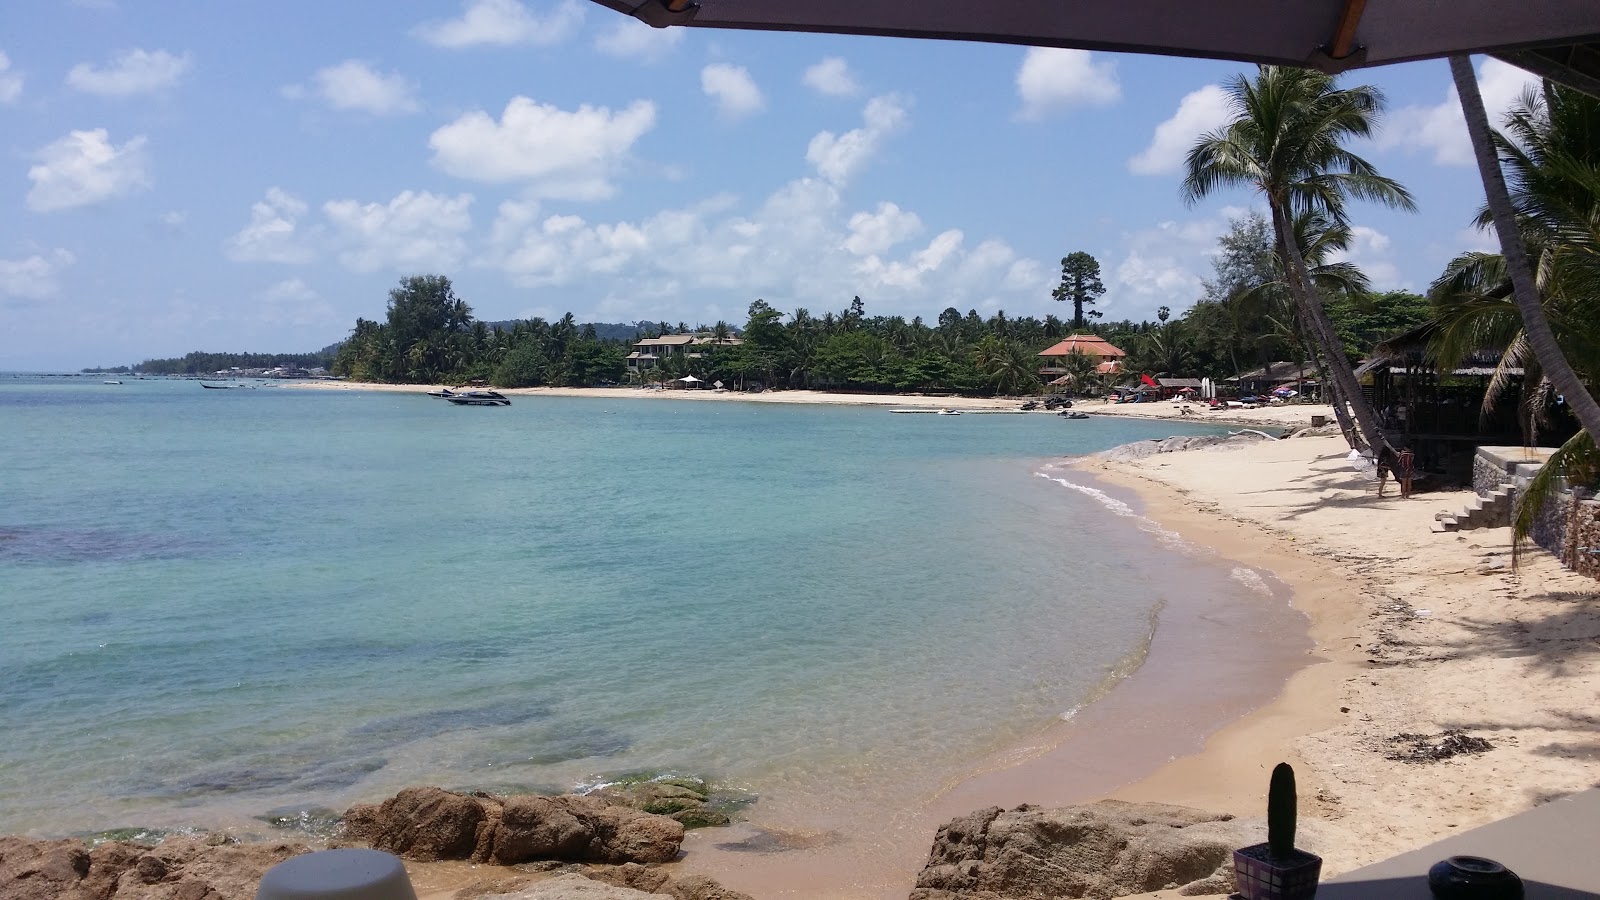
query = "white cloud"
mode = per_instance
[
  {"x": 556, "y": 152},
  {"x": 273, "y": 233},
  {"x": 416, "y": 230},
  {"x": 1440, "y": 129},
  {"x": 629, "y": 38},
  {"x": 34, "y": 277},
  {"x": 293, "y": 302},
  {"x": 1051, "y": 79},
  {"x": 1198, "y": 113},
  {"x": 875, "y": 232},
  {"x": 353, "y": 84},
  {"x": 503, "y": 23},
  {"x": 130, "y": 72},
  {"x": 85, "y": 168},
  {"x": 832, "y": 76},
  {"x": 1164, "y": 265},
  {"x": 838, "y": 157},
  {"x": 733, "y": 89},
  {"x": 10, "y": 82},
  {"x": 1373, "y": 252}
]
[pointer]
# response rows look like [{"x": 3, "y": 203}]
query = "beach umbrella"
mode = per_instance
[
  {"x": 1557, "y": 39},
  {"x": 689, "y": 379}
]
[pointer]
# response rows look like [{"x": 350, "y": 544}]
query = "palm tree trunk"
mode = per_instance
[
  {"x": 1534, "y": 322},
  {"x": 1344, "y": 378}
]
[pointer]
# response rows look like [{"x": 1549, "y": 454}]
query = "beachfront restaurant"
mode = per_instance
[{"x": 1053, "y": 359}]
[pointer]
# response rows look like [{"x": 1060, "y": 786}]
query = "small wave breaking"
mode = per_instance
[{"x": 1146, "y": 524}]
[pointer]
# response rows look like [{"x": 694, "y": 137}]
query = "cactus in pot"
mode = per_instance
[{"x": 1277, "y": 870}]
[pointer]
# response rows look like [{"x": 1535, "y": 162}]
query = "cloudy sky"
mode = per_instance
[{"x": 228, "y": 176}]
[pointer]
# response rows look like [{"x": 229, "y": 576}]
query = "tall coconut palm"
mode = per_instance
[
  {"x": 1565, "y": 220},
  {"x": 1286, "y": 141}
]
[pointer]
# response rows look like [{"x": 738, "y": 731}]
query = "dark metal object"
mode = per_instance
[{"x": 1473, "y": 878}]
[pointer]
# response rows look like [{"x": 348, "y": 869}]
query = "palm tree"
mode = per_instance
[
  {"x": 1286, "y": 141},
  {"x": 1562, "y": 218}
]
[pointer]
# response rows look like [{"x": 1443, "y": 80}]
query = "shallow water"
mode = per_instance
[{"x": 219, "y": 603}]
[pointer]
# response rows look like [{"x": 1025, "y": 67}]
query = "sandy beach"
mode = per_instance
[
  {"x": 1285, "y": 415},
  {"x": 1419, "y": 633},
  {"x": 1410, "y": 633}
]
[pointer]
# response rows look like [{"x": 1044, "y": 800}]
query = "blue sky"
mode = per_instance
[{"x": 179, "y": 176}]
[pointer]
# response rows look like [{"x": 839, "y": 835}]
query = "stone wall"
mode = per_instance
[{"x": 1569, "y": 527}]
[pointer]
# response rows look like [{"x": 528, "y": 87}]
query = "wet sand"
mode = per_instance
[{"x": 1210, "y": 661}]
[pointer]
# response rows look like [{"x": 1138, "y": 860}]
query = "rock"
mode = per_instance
[
  {"x": 432, "y": 824},
  {"x": 652, "y": 880},
  {"x": 1101, "y": 850},
  {"x": 43, "y": 870},
  {"x": 701, "y": 887},
  {"x": 426, "y": 824},
  {"x": 176, "y": 869},
  {"x": 190, "y": 869},
  {"x": 688, "y": 800},
  {"x": 649, "y": 879},
  {"x": 576, "y": 887}
]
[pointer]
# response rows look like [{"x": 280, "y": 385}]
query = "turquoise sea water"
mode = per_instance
[{"x": 218, "y": 603}]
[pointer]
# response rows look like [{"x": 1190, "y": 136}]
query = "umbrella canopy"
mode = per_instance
[
  {"x": 689, "y": 379},
  {"x": 1546, "y": 36}
]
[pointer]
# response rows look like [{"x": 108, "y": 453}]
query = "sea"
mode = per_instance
[{"x": 229, "y": 608}]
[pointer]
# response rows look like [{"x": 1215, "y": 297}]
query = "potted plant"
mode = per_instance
[{"x": 1277, "y": 870}]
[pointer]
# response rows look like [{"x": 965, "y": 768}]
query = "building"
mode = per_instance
[
  {"x": 1107, "y": 356},
  {"x": 648, "y": 352}
]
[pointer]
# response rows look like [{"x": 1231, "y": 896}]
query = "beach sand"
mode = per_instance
[
  {"x": 1284, "y": 415},
  {"x": 1421, "y": 632},
  {"x": 1411, "y": 632}
]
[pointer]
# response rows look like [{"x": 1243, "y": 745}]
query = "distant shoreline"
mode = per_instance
[{"x": 1288, "y": 415}]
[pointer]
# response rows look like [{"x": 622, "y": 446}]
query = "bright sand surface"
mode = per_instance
[
  {"x": 1410, "y": 632},
  {"x": 1280, "y": 415}
]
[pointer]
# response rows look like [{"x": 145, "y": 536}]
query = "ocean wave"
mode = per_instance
[
  {"x": 1166, "y": 537},
  {"x": 1251, "y": 579}
]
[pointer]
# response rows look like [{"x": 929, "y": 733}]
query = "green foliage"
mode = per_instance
[
  {"x": 1282, "y": 811},
  {"x": 1081, "y": 285},
  {"x": 199, "y": 363},
  {"x": 523, "y": 366},
  {"x": 1364, "y": 320}
]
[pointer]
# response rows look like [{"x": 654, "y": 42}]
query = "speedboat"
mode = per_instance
[
  {"x": 110, "y": 382},
  {"x": 1073, "y": 415},
  {"x": 949, "y": 412},
  {"x": 479, "y": 398},
  {"x": 442, "y": 392}
]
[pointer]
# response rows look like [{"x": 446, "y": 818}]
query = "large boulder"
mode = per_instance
[
  {"x": 176, "y": 869},
  {"x": 433, "y": 824},
  {"x": 427, "y": 823},
  {"x": 1100, "y": 850}
]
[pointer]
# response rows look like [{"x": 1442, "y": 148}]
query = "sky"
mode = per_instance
[{"x": 253, "y": 176}]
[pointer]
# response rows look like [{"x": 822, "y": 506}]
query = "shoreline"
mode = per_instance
[
  {"x": 1164, "y": 703},
  {"x": 1404, "y": 632},
  {"x": 1287, "y": 415}
]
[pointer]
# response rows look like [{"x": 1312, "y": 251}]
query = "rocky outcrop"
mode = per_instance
[
  {"x": 1101, "y": 850},
  {"x": 177, "y": 869},
  {"x": 432, "y": 824},
  {"x": 628, "y": 882},
  {"x": 689, "y": 800}
]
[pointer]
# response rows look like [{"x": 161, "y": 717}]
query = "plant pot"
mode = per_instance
[{"x": 1258, "y": 875}]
